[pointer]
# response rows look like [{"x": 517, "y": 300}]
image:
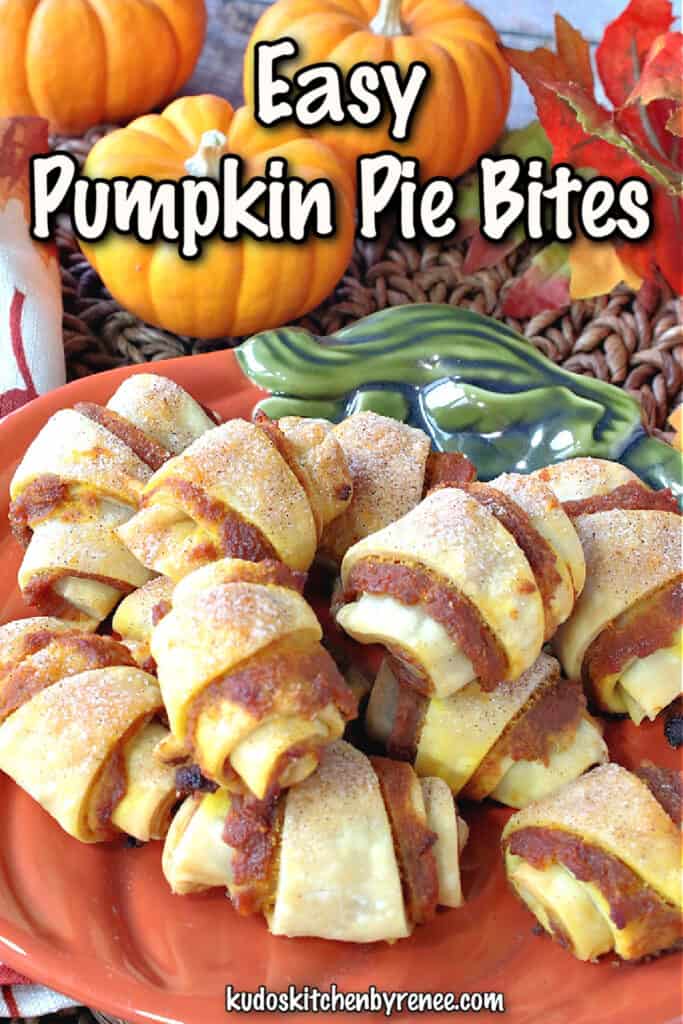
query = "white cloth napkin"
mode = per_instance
[{"x": 31, "y": 350}]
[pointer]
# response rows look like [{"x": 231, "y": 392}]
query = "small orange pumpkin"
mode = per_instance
[
  {"x": 463, "y": 110},
  {"x": 234, "y": 287},
  {"x": 80, "y": 62}
]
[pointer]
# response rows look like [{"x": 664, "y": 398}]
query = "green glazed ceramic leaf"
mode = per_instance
[{"x": 469, "y": 381}]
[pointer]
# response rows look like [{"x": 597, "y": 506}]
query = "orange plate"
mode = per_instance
[{"x": 99, "y": 922}]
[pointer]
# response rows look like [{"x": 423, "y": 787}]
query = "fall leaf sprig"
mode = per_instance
[{"x": 640, "y": 67}]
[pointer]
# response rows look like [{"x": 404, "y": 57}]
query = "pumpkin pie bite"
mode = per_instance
[{"x": 467, "y": 585}]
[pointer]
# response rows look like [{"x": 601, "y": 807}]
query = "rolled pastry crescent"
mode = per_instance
[
  {"x": 78, "y": 731},
  {"x": 359, "y": 852},
  {"x": 138, "y": 614},
  {"x": 468, "y": 585},
  {"x": 517, "y": 744},
  {"x": 624, "y": 637},
  {"x": 588, "y": 485},
  {"x": 599, "y": 864},
  {"x": 80, "y": 479},
  {"x": 162, "y": 410},
  {"x": 391, "y": 468},
  {"x": 252, "y": 697},
  {"x": 244, "y": 490}
]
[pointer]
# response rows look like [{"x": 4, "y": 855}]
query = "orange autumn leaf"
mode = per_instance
[
  {"x": 676, "y": 421},
  {"x": 596, "y": 268}
]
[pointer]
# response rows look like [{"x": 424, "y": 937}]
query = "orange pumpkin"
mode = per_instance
[
  {"x": 463, "y": 110},
  {"x": 234, "y": 287},
  {"x": 81, "y": 62}
]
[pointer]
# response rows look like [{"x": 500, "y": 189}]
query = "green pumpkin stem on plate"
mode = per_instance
[{"x": 471, "y": 382}]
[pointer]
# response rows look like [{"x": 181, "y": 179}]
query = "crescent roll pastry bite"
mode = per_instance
[
  {"x": 137, "y": 615},
  {"x": 467, "y": 585},
  {"x": 391, "y": 468},
  {"x": 359, "y": 852},
  {"x": 387, "y": 461},
  {"x": 624, "y": 637},
  {"x": 516, "y": 744},
  {"x": 80, "y": 479},
  {"x": 252, "y": 697},
  {"x": 586, "y": 485},
  {"x": 599, "y": 863},
  {"x": 162, "y": 410},
  {"x": 78, "y": 730},
  {"x": 243, "y": 490}
]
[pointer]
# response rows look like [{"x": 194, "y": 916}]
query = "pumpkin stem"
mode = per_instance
[
  {"x": 206, "y": 161},
  {"x": 387, "y": 21}
]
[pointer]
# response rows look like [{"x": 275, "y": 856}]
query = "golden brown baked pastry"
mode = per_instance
[
  {"x": 624, "y": 637},
  {"x": 251, "y": 695},
  {"x": 587, "y": 485},
  {"x": 79, "y": 480},
  {"x": 162, "y": 410},
  {"x": 517, "y": 744},
  {"x": 392, "y": 468},
  {"x": 599, "y": 864},
  {"x": 360, "y": 851},
  {"x": 138, "y": 614},
  {"x": 387, "y": 461},
  {"x": 78, "y": 729},
  {"x": 244, "y": 490},
  {"x": 468, "y": 585}
]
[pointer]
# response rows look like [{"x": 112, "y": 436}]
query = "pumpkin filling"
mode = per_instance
[
  {"x": 448, "y": 469},
  {"x": 61, "y": 655},
  {"x": 413, "y": 841},
  {"x": 439, "y": 601},
  {"x": 262, "y": 726},
  {"x": 252, "y": 829},
  {"x": 666, "y": 787},
  {"x": 628, "y": 897},
  {"x": 547, "y": 721},
  {"x": 410, "y": 709},
  {"x": 633, "y": 496},
  {"x": 651, "y": 627},
  {"x": 43, "y": 591},
  {"x": 538, "y": 552},
  {"x": 43, "y": 497},
  {"x": 108, "y": 790},
  {"x": 221, "y": 532},
  {"x": 549, "y": 742},
  {"x": 147, "y": 450},
  {"x": 305, "y": 678}
]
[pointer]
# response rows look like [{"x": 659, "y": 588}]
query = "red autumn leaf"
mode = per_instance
[
  {"x": 544, "y": 72},
  {"x": 574, "y": 52},
  {"x": 620, "y": 58},
  {"x": 541, "y": 66},
  {"x": 595, "y": 141},
  {"x": 662, "y": 79},
  {"x": 663, "y": 248},
  {"x": 606, "y": 147},
  {"x": 482, "y": 254},
  {"x": 543, "y": 285},
  {"x": 627, "y": 42},
  {"x": 662, "y": 74}
]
